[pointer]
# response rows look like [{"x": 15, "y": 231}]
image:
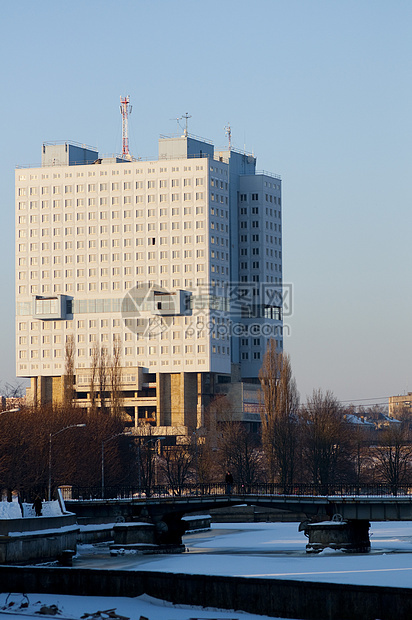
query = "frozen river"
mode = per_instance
[
  {"x": 271, "y": 550},
  {"x": 274, "y": 550}
]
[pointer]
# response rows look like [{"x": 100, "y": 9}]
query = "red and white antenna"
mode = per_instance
[{"x": 125, "y": 110}]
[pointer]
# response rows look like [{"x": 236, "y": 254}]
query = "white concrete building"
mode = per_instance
[{"x": 178, "y": 260}]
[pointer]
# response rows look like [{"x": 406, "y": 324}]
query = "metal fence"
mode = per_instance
[{"x": 238, "y": 490}]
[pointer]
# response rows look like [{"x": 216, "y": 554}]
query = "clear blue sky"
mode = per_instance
[{"x": 320, "y": 90}]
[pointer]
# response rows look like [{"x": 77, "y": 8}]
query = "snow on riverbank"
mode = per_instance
[
  {"x": 13, "y": 510},
  {"x": 75, "y": 607}
]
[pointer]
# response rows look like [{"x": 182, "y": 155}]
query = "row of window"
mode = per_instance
[
  {"x": 116, "y": 243},
  {"x": 114, "y": 172},
  {"x": 81, "y": 287},
  {"x": 255, "y": 239},
  {"x": 177, "y": 349},
  {"x": 245, "y": 355},
  {"x": 244, "y": 210},
  {"x": 255, "y": 197},
  {"x": 245, "y": 342},
  {"x": 115, "y": 186},
  {"x": 117, "y": 229},
  {"x": 140, "y": 256},
  {"x": 58, "y": 339},
  {"x": 118, "y": 271},
  {"x": 116, "y": 200},
  {"x": 256, "y": 265}
]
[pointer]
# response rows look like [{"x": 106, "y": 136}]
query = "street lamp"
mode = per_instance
[
  {"x": 104, "y": 442},
  {"x": 139, "y": 454},
  {"x": 194, "y": 434},
  {"x": 155, "y": 451},
  {"x": 51, "y": 435}
]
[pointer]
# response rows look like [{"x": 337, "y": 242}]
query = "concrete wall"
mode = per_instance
[
  {"x": 271, "y": 597},
  {"x": 37, "y": 545},
  {"x": 198, "y": 522},
  {"x": 30, "y": 524},
  {"x": 131, "y": 533}
]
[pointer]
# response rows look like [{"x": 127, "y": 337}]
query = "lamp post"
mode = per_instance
[
  {"x": 51, "y": 435},
  {"x": 156, "y": 441},
  {"x": 147, "y": 477},
  {"x": 194, "y": 434},
  {"x": 103, "y": 444}
]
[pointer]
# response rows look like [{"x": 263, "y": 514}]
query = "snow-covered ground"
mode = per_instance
[
  {"x": 121, "y": 608},
  {"x": 270, "y": 550},
  {"x": 274, "y": 550},
  {"x": 13, "y": 510}
]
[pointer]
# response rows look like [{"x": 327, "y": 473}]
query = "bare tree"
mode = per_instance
[
  {"x": 393, "y": 456},
  {"x": 279, "y": 414},
  {"x": 94, "y": 377},
  {"x": 68, "y": 398},
  {"x": 327, "y": 446},
  {"x": 103, "y": 364},
  {"x": 115, "y": 374},
  {"x": 206, "y": 467},
  {"x": 76, "y": 452},
  {"x": 176, "y": 465},
  {"x": 240, "y": 453}
]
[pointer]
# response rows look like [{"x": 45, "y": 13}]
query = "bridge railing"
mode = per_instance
[{"x": 262, "y": 489}]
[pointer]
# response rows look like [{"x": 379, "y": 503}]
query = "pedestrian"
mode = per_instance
[
  {"x": 37, "y": 505},
  {"x": 229, "y": 482}
]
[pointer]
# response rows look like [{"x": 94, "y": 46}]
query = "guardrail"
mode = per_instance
[{"x": 214, "y": 490}]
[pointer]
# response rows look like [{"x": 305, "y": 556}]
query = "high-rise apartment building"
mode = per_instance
[{"x": 177, "y": 263}]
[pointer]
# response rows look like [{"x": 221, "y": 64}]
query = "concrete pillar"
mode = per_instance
[
  {"x": 163, "y": 399},
  {"x": 351, "y": 536}
]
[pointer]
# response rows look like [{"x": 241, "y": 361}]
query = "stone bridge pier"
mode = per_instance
[
  {"x": 169, "y": 526},
  {"x": 348, "y": 535}
]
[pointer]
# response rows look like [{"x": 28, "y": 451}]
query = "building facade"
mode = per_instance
[
  {"x": 176, "y": 264},
  {"x": 401, "y": 404}
]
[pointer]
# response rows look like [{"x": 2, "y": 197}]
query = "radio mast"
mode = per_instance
[
  {"x": 125, "y": 110},
  {"x": 228, "y": 134}
]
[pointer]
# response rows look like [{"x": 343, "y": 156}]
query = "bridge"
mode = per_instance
[{"x": 345, "y": 508}]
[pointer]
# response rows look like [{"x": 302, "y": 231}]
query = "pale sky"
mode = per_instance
[{"x": 319, "y": 90}]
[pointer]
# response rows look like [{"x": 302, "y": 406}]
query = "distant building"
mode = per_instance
[
  {"x": 403, "y": 403},
  {"x": 177, "y": 260}
]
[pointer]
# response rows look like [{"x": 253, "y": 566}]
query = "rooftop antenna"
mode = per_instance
[
  {"x": 186, "y": 117},
  {"x": 228, "y": 133},
  {"x": 125, "y": 110},
  {"x": 180, "y": 118}
]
